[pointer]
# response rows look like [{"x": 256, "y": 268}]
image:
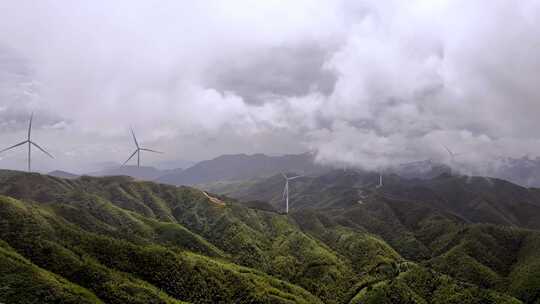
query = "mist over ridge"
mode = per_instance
[{"x": 366, "y": 84}]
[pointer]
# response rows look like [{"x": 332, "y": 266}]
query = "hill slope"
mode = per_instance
[
  {"x": 473, "y": 199},
  {"x": 116, "y": 240}
]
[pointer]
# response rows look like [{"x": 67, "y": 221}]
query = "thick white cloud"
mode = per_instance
[
  {"x": 369, "y": 83},
  {"x": 414, "y": 78}
]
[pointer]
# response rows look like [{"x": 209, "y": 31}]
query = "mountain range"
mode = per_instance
[
  {"x": 235, "y": 168},
  {"x": 232, "y": 167},
  {"x": 241, "y": 167},
  {"x": 472, "y": 199},
  {"x": 450, "y": 239}
]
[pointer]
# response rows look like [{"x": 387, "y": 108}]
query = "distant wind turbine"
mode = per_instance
[
  {"x": 286, "y": 190},
  {"x": 138, "y": 150},
  {"x": 469, "y": 174},
  {"x": 30, "y": 144},
  {"x": 452, "y": 154}
]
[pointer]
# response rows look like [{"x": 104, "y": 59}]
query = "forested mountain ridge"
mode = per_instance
[
  {"x": 116, "y": 240},
  {"x": 473, "y": 199}
]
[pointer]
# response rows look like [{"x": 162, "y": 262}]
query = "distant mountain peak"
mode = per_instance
[{"x": 232, "y": 167}]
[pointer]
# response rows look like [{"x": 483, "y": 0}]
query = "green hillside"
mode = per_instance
[
  {"x": 116, "y": 240},
  {"x": 474, "y": 199}
]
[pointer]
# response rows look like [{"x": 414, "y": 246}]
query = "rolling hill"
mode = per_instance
[
  {"x": 118, "y": 240},
  {"x": 473, "y": 199}
]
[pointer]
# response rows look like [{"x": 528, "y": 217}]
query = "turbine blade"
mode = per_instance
[
  {"x": 42, "y": 150},
  {"x": 449, "y": 151},
  {"x": 294, "y": 177},
  {"x": 134, "y": 138},
  {"x": 285, "y": 176},
  {"x": 284, "y": 191},
  {"x": 21, "y": 143},
  {"x": 149, "y": 150},
  {"x": 30, "y": 125},
  {"x": 130, "y": 157}
]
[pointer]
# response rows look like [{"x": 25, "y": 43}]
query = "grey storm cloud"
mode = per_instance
[
  {"x": 368, "y": 83},
  {"x": 283, "y": 71}
]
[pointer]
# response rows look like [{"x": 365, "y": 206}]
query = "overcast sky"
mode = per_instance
[{"x": 369, "y": 83}]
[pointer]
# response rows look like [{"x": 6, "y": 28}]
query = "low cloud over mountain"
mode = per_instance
[{"x": 364, "y": 83}]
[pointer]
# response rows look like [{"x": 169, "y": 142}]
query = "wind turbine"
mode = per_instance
[
  {"x": 469, "y": 172},
  {"x": 138, "y": 150},
  {"x": 452, "y": 154},
  {"x": 286, "y": 190},
  {"x": 30, "y": 144}
]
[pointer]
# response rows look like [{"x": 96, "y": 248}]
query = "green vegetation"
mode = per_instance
[
  {"x": 418, "y": 285},
  {"x": 23, "y": 282},
  {"x": 115, "y": 240}
]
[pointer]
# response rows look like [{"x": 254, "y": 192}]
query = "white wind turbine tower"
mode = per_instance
[
  {"x": 30, "y": 144},
  {"x": 380, "y": 181},
  {"x": 138, "y": 150},
  {"x": 286, "y": 190}
]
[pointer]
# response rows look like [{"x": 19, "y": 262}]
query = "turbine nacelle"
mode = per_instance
[{"x": 290, "y": 178}]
